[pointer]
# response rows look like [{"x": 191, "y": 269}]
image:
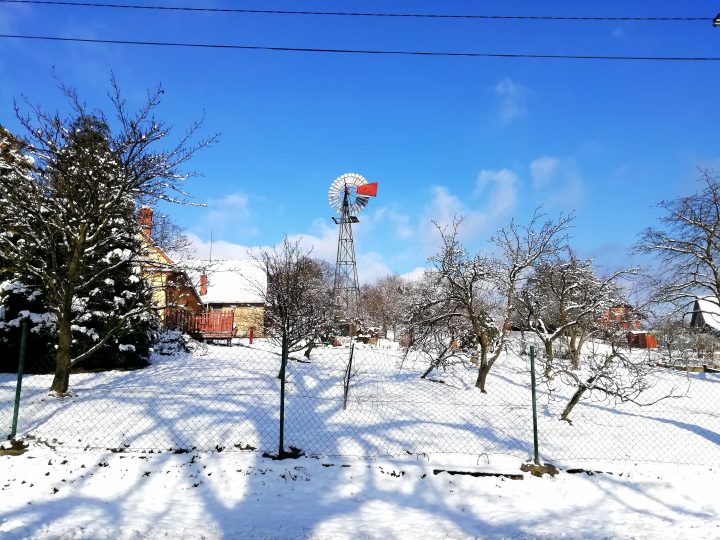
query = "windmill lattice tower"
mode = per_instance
[{"x": 348, "y": 194}]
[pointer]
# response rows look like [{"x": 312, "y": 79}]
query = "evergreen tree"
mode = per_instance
[{"x": 67, "y": 224}]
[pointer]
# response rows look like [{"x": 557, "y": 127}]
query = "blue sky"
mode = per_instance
[{"x": 487, "y": 138}]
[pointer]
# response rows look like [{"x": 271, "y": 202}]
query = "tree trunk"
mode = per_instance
[
  {"x": 576, "y": 345},
  {"x": 482, "y": 376},
  {"x": 484, "y": 366},
  {"x": 548, "y": 358},
  {"x": 573, "y": 401},
  {"x": 61, "y": 381},
  {"x": 581, "y": 390},
  {"x": 575, "y": 351},
  {"x": 429, "y": 370}
]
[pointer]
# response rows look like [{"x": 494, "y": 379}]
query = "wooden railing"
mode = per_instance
[{"x": 206, "y": 325}]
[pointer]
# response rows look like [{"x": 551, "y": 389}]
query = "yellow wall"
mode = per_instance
[{"x": 245, "y": 317}]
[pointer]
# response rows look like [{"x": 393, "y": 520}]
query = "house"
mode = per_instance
[
  {"x": 620, "y": 317},
  {"x": 171, "y": 286},
  {"x": 207, "y": 299},
  {"x": 236, "y": 286},
  {"x": 705, "y": 314}
]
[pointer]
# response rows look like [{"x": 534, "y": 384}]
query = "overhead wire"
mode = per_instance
[
  {"x": 362, "y": 14},
  {"x": 230, "y": 46}
]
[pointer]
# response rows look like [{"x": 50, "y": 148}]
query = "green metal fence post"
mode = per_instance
[
  {"x": 346, "y": 381},
  {"x": 534, "y": 406},
  {"x": 283, "y": 367},
  {"x": 21, "y": 368}
]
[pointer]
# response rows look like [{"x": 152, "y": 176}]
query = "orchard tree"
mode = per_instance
[
  {"x": 687, "y": 244},
  {"x": 69, "y": 225},
  {"x": 436, "y": 335},
  {"x": 521, "y": 247},
  {"x": 610, "y": 372},
  {"x": 298, "y": 297},
  {"x": 383, "y": 302},
  {"x": 483, "y": 289},
  {"x": 565, "y": 297}
]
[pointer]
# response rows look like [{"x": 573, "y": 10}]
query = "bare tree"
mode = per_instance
[
  {"x": 687, "y": 245},
  {"x": 69, "y": 213},
  {"x": 169, "y": 237},
  {"x": 672, "y": 333},
  {"x": 383, "y": 303},
  {"x": 483, "y": 289},
  {"x": 567, "y": 298},
  {"x": 298, "y": 297},
  {"x": 521, "y": 247},
  {"x": 612, "y": 373},
  {"x": 438, "y": 338}
]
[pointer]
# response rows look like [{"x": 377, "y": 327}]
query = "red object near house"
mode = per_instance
[
  {"x": 209, "y": 325},
  {"x": 620, "y": 317},
  {"x": 146, "y": 220},
  {"x": 203, "y": 284},
  {"x": 369, "y": 190},
  {"x": 641, "y": 340}
]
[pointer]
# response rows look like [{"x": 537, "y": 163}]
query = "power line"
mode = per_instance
[
  {"x": 359, "y": 14},
  {"x": 369, "y": 51}
]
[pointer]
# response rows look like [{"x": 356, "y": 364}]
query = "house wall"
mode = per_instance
[
  {"x": 246, "y": 316},
  {"x": 170, "y": 288}
]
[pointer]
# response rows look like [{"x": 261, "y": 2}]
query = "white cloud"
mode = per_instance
[
  {"x": 322, "y": 245},
  {"x": 542, "y": 170},
  {"x": 221, "y": 249},
  {"x": 385, "y": 236},
  {"x": 371, "y": 266},
  {"x": 415, "y": 274},
  {"x": 494, "y": 198},
  {"x": 232, "y": 212},
  {"x": 12, "y": 16},
  {"x": 620, "y": 32},
  {"x": 499, "y": 189},
  {"x": 512, "y": 100},
  {"x": 560, "y": 181}
]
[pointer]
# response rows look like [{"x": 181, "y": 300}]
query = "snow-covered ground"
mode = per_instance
[
  {"x": 382, "y": 467},
  {"x": 227, "y": 397},
  {"x": 62, "y": 493}
]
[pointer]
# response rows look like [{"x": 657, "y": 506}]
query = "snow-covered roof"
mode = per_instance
[
  {"x": 228, "y": 282},
  {"x": 710, "y": 310}
]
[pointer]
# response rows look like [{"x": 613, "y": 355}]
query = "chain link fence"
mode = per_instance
[{"x": 227, "y": 397}]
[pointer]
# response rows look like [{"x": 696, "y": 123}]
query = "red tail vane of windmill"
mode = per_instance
[{"x": 369, "y": 190}]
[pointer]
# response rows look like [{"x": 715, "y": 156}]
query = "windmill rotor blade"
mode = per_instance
[{"x": 357, "y": 198}]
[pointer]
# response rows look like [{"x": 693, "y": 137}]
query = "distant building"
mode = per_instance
[
  {"x": 705, "y": 314},
  {"x": 171, "y": 286},
  {"x": 228, "y": 285},
  {"x": 620, "y": 317}
]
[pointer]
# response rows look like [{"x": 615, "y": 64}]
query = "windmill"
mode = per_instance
[{"x": 348, "y": 195}]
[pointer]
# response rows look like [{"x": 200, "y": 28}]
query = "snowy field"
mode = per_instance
[
  {"x": 75, "y": 494},
  {"x": 175, "y": 451},
  {"x": 227, "y": 397}
]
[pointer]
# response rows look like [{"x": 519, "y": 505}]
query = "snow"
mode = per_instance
[
  {"x": 229, "y": 281},
  {"x": 57, "y": 493},
  {"x": 372, "y": 471}
]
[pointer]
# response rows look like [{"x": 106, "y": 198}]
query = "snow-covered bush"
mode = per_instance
[
  {"x": 175, "y": 343},
  {"x": 18, "y": 301}
]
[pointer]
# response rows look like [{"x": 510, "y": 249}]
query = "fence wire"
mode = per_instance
[{"x": 227, "y": 397}]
